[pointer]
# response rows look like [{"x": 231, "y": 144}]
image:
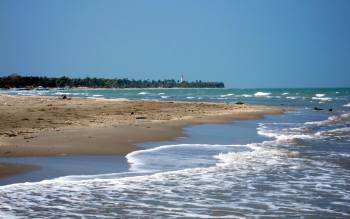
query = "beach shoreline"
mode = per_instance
[{"x": 52, "y": 126}]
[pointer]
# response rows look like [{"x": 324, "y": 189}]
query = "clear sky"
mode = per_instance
[{"x": 262, "y": 43}]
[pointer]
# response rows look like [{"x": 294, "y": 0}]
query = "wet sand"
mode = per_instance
[
  {"x": 51, "y": 126},
  {"x": 10, "y": 169}
]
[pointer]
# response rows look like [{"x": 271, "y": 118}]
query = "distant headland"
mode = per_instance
[{"x": 18, "y": 81}]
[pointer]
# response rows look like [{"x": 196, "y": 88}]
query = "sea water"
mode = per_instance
[{"x": 291, "y": 165}]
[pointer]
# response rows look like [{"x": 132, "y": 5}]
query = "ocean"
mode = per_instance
[{"x": 292, "y": 165}]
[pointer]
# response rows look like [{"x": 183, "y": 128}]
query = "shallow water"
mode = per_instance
[
  {"x": 53, "y": 167},
  {"x": 291, "y": 165}
]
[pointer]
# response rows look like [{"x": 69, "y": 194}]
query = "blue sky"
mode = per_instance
[{"x": 262, "y": 43}]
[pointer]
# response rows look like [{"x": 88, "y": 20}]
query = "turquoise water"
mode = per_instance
[
  {"x": 291, "y": 165},
  {"x": 290, "y": 97}
]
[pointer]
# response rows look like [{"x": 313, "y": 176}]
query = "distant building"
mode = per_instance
[{"x": 182, "y": 78}]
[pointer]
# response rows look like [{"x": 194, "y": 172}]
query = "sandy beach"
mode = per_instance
[{"x": 51, "y": 126}]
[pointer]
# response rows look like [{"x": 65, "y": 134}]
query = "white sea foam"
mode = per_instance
[
  {"x": 290, "y": 133},
  {"x": 322, "y": 98},
  {"x": 292, "y": 98},
  {"x": 63, "y": 93},
  {"x": 226, "y": 95},
  {"x": 337, "y": 132},
  {"x": 331, "y": 120},
  {"x": 261, "y": 94},
  {"x": 161, "y": 93},
  {"x": 190, "y": 97},
  {"x": 97, "y": 95},
  {"x": 285, "y": 94},
  {"x": 143, "y": 93},
  {"x": 347, "y": 105},
  {"x": 246, "y": 95},
  {"x": 320, "y": 95},
  {"x": 284, "y": 136},
  {"x": 164, "y": 97},
  {"x": 239, "y": 160},
  {"x": 168, "y": 155}
]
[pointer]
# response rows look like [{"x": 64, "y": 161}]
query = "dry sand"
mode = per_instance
[{"x": 48, "y": 126}]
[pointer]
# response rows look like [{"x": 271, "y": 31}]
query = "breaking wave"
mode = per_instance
[{"x": 261, "y": 94}]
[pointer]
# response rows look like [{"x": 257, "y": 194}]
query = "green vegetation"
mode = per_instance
[{"x": 17, "y": 81}]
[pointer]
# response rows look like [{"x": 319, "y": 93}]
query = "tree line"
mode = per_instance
[{"x": 17, "y": 81}]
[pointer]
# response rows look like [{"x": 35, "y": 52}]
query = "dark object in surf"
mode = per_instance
[
  {"x": 330, "y": 110},
  {"x": 316, "y": 108},
  {"x": 141, "y": 117},
  {"x": 64, "y": 97},
  {"x": 132, "y": 113},
  {"x": 239, "y": 103},
  {"x": 282, "y": 104}
]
